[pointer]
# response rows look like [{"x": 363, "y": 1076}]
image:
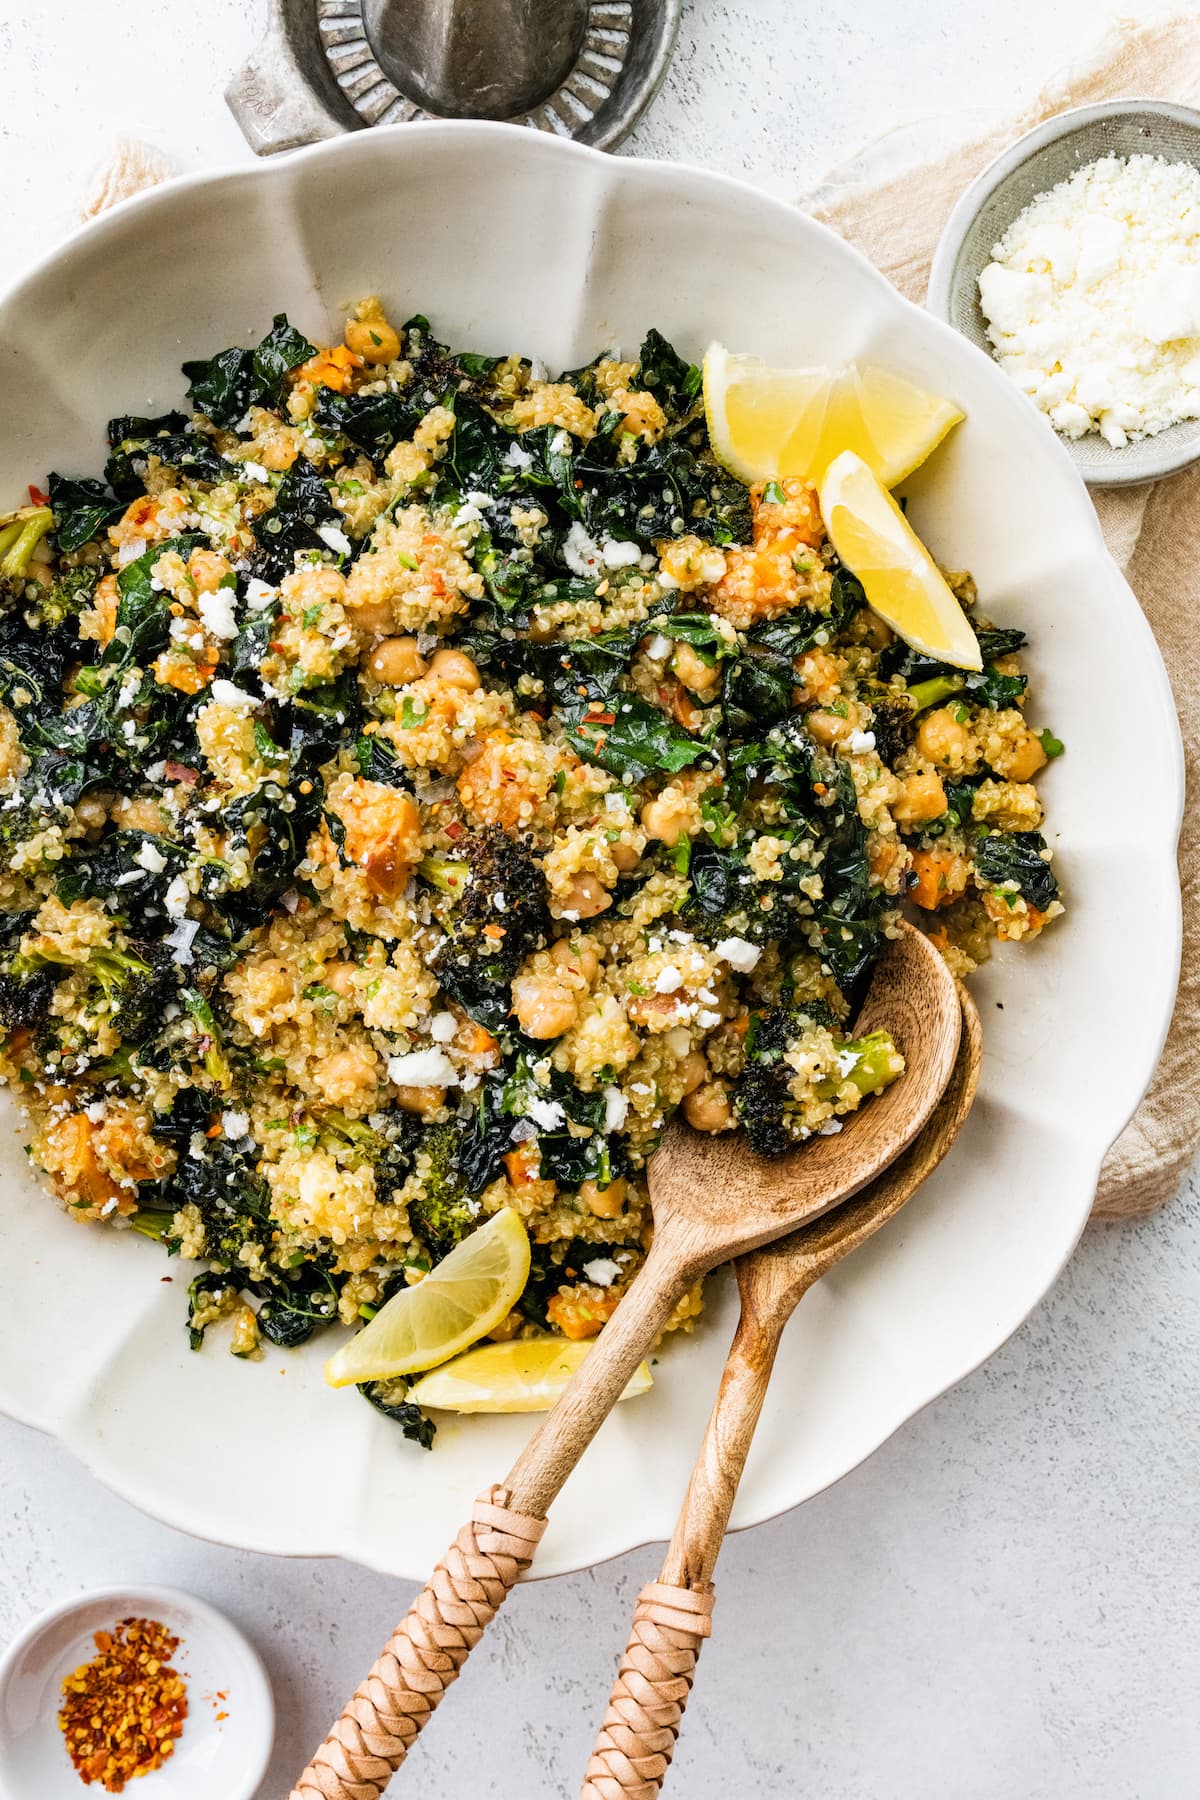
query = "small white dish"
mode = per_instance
[
  {"x": 1050, "y": 153},
  {"x": 214, "y": 1758}
]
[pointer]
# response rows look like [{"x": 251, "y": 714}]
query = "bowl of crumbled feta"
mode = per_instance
[{"x": 1074, "y": 260}]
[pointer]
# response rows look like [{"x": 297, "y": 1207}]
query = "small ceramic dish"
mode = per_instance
[
  {"x": 1051, "y": 153},
  {"x": 230, "y": 1727}
]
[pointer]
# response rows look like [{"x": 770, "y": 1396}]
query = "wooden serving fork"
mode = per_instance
[
  {"x": 673, "y": 1614},
  {"x": 712, "y": 1200}
]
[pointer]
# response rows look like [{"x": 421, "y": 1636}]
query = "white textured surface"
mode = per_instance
[{"x": 1004, "y": 1604}]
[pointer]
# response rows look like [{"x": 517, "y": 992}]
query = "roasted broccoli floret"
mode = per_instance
[
  {"x": 771, "y": 1092},
  {"x": 445, "y": 1212},
  {"x": 66, "y": 597},
  {"x": 494, "y": 914}
]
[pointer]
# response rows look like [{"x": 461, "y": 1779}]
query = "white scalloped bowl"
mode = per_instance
[{"x": 508, "y": 239}]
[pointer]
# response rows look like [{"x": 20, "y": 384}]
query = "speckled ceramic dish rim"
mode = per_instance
[
  {"x": 1147, "y": 459},
  {"x": 264, "y": 1455}
]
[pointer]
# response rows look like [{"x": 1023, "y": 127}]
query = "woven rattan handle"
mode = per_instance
[
  {"x": 426, "y": 1651},
  {"x": 637, "y": 1739}
]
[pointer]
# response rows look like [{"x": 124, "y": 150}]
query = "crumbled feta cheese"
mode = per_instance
[
  {"x": 337, "y": 540},
  {"x": 619, "y": 555},
  {"x": 581, "y": 553},
  {"x": 151, "y": 858},
  {"x": 517, "y": 458},
  {"x": 422, "y": 1068},
  {"x": 560, "y": 444},
  {"x": 616, "y": 1109},
  {"x": 176, "y": 898},
  {"x": 225, "y": 693},
  {"x": 128, "y": 876},
  {"x": 1092, "y": 298},
  {"x": 548, "y": 1114},
  {"x": 668, "y": 980},
  {"x": 830, "y": 1128},
  {"x": 739, "y": 954},
  {"x": 96, "y": 1110},
  {"x": 217, "y": 612},
  {"x": 602, "y": 1271},
  {"x": 130, "y": 550},
  {"x": 442, "y": 1027},
  {"x": 859, "y": 742},
  {"x": 659, "y": 647},
  {"x": 254, "y": 471},
  {"x": 235, "y": 1125},
  {"x": 708, "y": 1021},
  {"x": 260, "y": 594}
]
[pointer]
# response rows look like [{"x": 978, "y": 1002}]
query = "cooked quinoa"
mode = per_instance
[{"x": 418, "y": 779}]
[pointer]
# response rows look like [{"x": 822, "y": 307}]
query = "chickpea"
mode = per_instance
[
  {"x": 544, "y": 1008},
  {"x": 424, "y": 1101},
  {"x": 667, "y": 817},
  {"x": 371, "y": 615},
  {"x": 626, "y": 856},
  {"x": 921, "y": 799},
  {"x": 942, "y": 739},
  {"x": 372, "y": 339},
  {"x": 707, "y": 1108},
  {"x": 1025, "y": 757},
  {"x": 694, "y": 672},
  {"x": 455, "y": 669},
  {"x": 692, "y": 1071},
  {"x": 346, "y": 1075},
  {"x": 208, "y": 569},
  {"x": 829, "y": 728},
  {"x": 579, "y": 958},
  {"x": 605, "y": 1202},
  {"x": 396, "y": 662},
  {"x": 586, "y": 896},
  {"x": 339, "y": 976}
]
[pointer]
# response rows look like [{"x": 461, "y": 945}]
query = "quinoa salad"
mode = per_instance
[{"x": 419, "y": 778}]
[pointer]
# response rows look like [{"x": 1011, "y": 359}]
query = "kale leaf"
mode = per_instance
[
  {"x": 673, "y": 382},
  {"x": 301, "y": 504},
  {"x": 133, "y": 440},
  {"x": 226, "y": 386},
  {"x": 1016, "y": 856},
  {"x": 82, "y": 508}
]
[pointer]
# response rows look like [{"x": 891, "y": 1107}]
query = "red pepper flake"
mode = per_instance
[
  {"x": 599, "y": 719},
  {"x": 37, "y": 496},
  {"x": 455, "y": 828},
  {"x": 122, "y": 1711}
]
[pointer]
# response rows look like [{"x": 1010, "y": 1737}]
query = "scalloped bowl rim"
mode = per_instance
[{"x": 286, "y": 177}]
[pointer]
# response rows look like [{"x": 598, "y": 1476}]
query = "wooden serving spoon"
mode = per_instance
[
  {"x": 712, "y": 1200},
  {"x": 672, "y": 1619}
]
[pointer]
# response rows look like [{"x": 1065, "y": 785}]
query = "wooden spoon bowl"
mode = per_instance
[{"x": 712, "y": 1199}]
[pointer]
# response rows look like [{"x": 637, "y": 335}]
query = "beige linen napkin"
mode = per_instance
[{"x": 1153, "y": 533}]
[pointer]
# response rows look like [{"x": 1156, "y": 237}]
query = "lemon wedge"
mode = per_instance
[
  {"x": 766, "y": 423},
  {"x": 524, "y": 1375},
  {"x": 460, "y": 1301},
  {"x": 902, "y": 582}
]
